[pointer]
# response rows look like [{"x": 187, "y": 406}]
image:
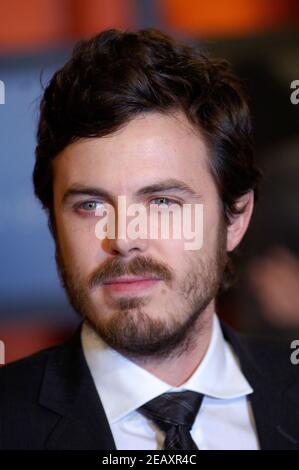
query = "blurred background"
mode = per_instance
[{"x": 261, "y": 39}]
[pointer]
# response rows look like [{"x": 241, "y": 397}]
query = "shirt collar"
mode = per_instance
[{"x": 218, "y": 375}]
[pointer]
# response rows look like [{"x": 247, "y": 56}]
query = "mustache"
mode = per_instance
[{"x": 138, "y": 266}]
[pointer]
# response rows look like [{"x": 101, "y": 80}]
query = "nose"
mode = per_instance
[
  {"x": 125, "y": 240},
  {"x": 126, "y": 247}
]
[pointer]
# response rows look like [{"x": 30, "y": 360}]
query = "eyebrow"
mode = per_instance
[{"x": 169, "y": 185}]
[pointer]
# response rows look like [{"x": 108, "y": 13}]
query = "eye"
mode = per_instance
[
  {"x": 88, "y": 206},
  {"x": 163, "y": 200}
]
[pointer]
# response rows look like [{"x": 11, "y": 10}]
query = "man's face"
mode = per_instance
[{"x": 156, "y": 316}]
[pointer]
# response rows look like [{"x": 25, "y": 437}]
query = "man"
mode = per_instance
[{"x": 140, "y": 116}]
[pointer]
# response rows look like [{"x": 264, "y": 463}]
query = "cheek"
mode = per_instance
[
  {"x": 171, "y": 253},
  {"x": 211, "y": 221},
  {"x": 79, "y": 245}
]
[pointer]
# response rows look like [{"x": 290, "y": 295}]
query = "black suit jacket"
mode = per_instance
[{"x": 49, "y": 400}]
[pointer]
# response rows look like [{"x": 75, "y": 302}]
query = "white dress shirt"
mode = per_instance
[{"x": 224, "y": 421}]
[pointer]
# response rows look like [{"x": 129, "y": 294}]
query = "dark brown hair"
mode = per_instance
[{"x": 116, "y": 75}]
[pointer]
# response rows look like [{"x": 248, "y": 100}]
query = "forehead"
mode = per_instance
[{"x": 151, "y": 146}]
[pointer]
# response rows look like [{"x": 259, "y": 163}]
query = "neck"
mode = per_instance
[{"x": 178, "y": 369}]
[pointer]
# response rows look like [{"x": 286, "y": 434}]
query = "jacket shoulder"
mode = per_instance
[
  {"x": 270, "y": 359},
  {"x": 22, "y": 373},
  {"x": 23, "y": 422}
]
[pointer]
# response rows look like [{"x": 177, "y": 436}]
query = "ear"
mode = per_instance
[{"x": 239, "y": 222}]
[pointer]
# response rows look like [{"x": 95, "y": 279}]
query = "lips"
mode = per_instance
[
  {"x": 129, "y": 280},
  {"x": 129, "y": 284}
]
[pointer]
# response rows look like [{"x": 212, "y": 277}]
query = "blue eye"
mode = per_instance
[
  {"x": 163, "y": 200},
  {"x": 89, "y": 205}
]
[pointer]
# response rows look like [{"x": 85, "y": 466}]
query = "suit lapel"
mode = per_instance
[
  {"x": 275, "y": 413},
  {"x": 273, "y": 418},
  {"x": 69, "y": 391}
]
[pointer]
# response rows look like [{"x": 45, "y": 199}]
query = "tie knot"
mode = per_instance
[{"x": 173, "y": 408}]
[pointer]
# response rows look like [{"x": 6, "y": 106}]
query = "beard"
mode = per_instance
[{"x": 126, "y": 325}]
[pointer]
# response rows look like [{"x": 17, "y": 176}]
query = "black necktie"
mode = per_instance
[{"x": 174, "y": 413}]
